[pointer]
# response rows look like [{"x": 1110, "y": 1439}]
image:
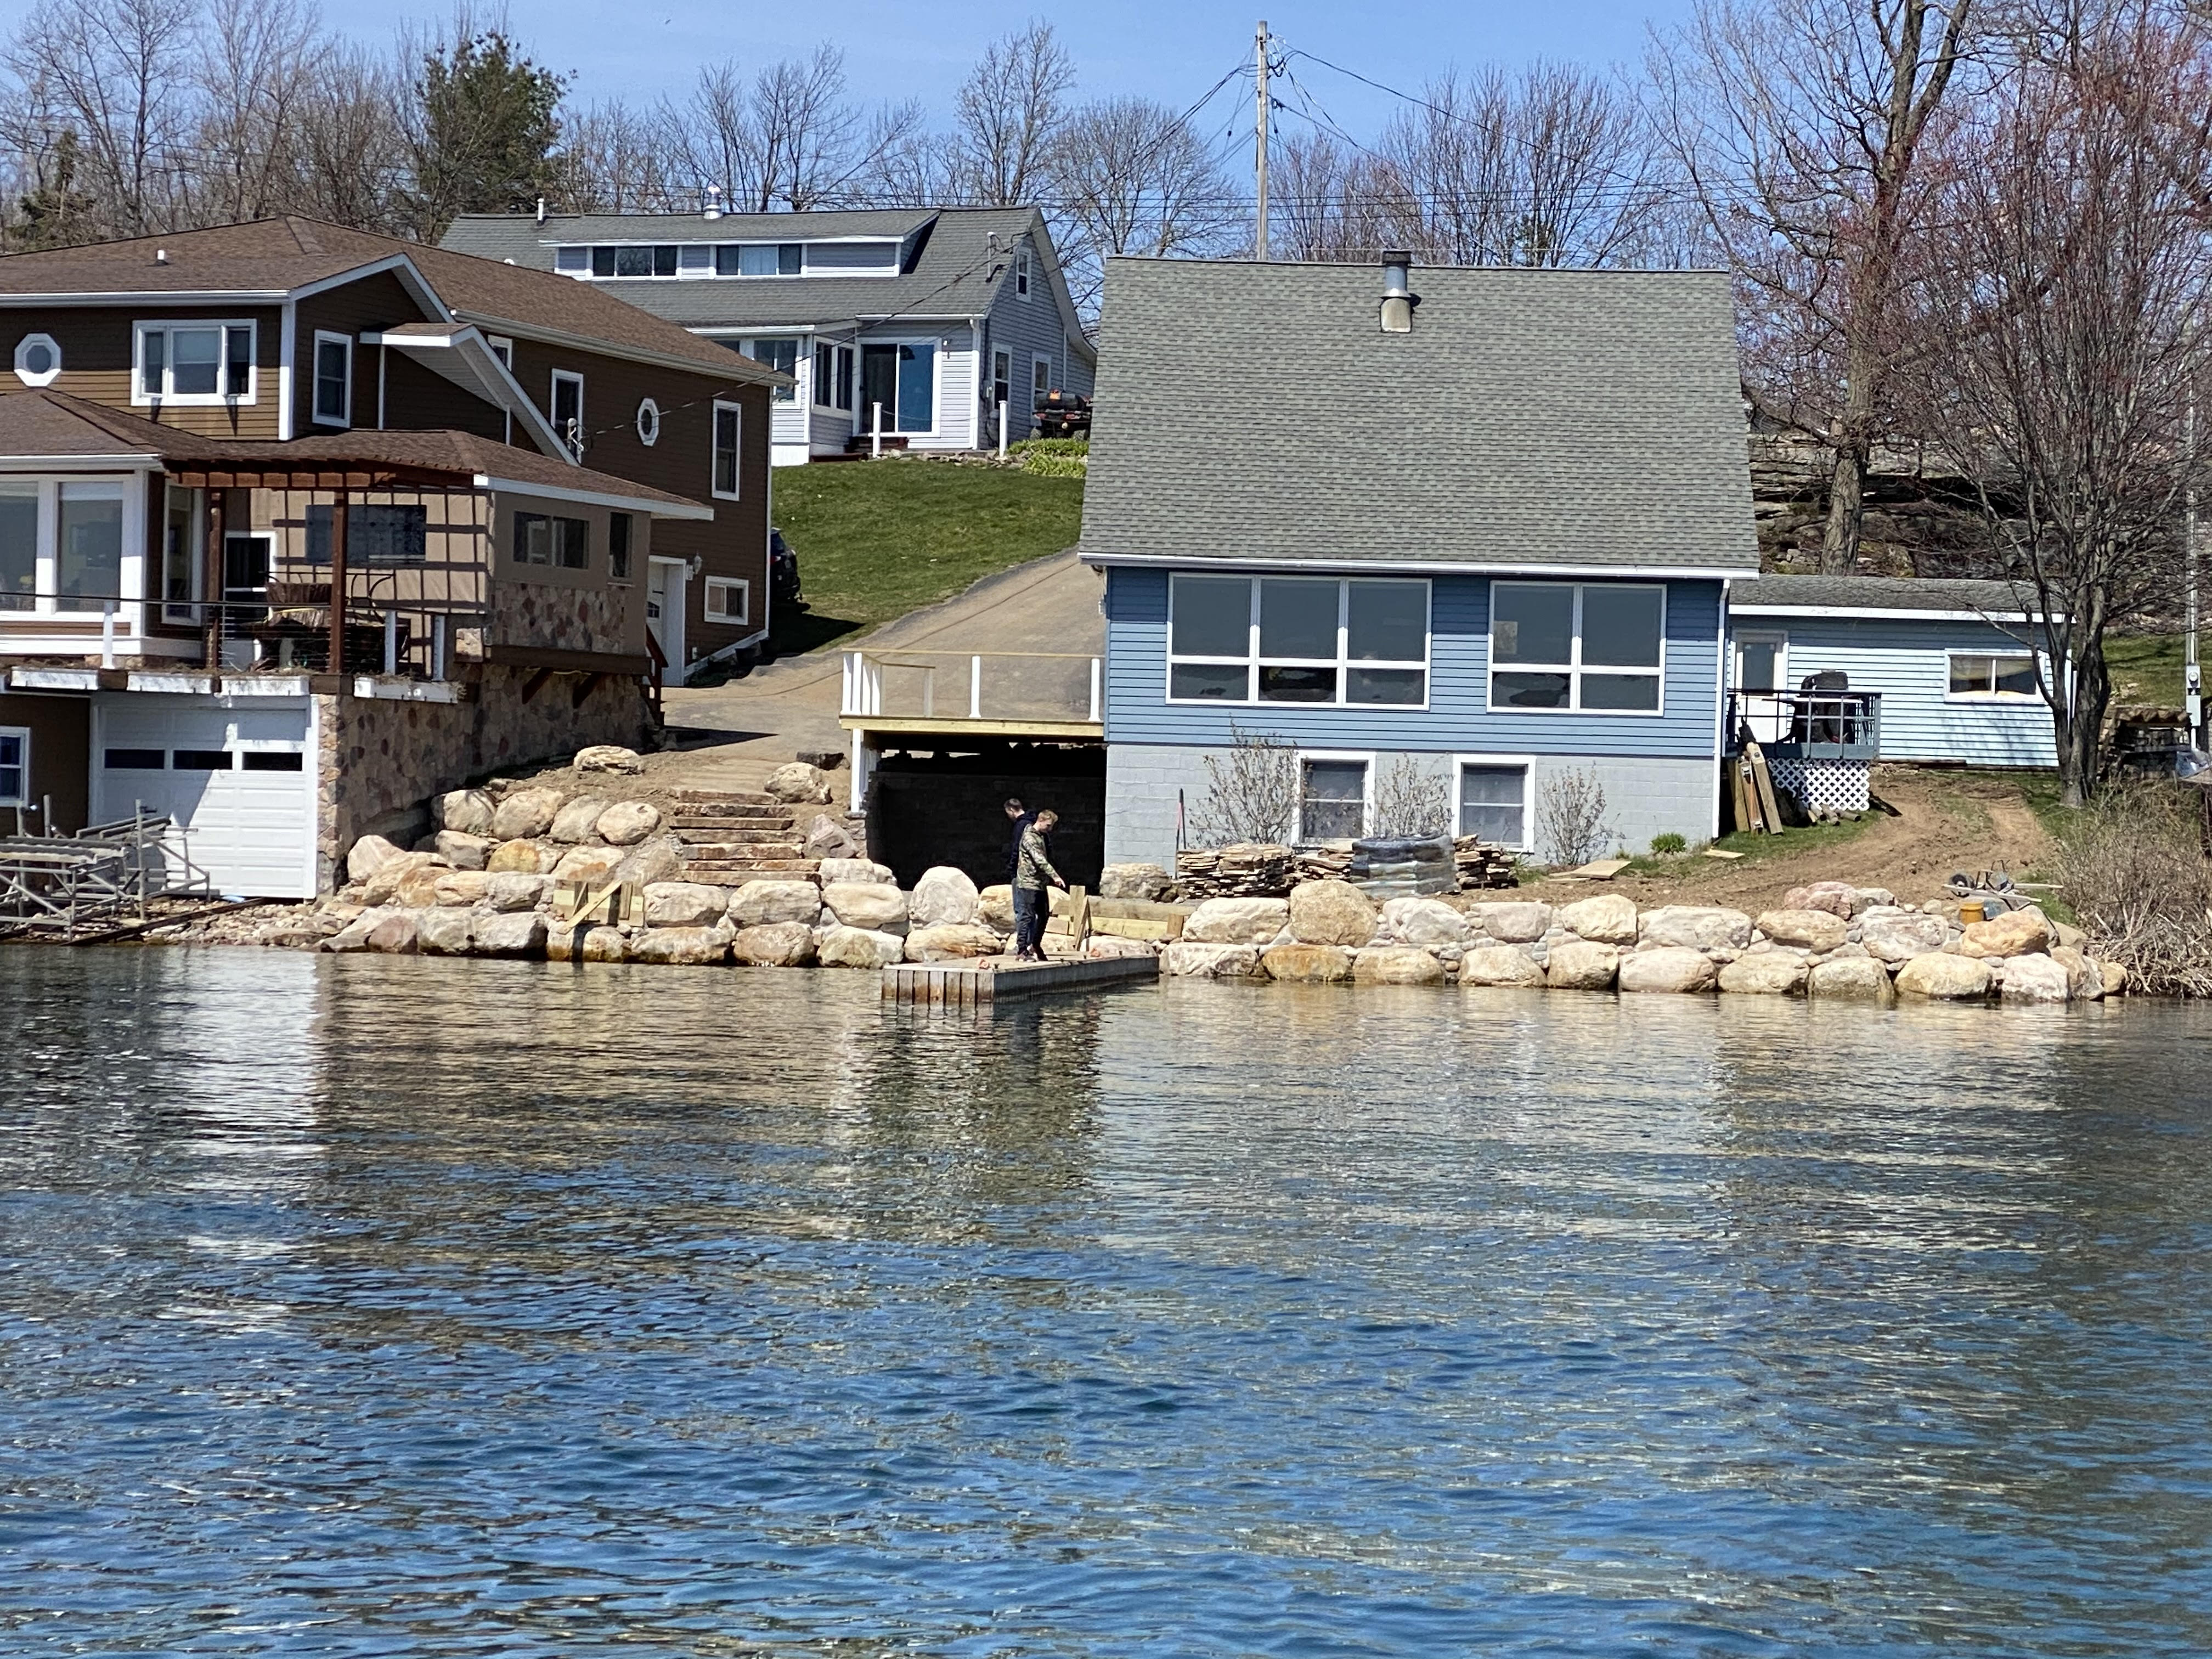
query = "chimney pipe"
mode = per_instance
[
  {"x": 541, "y": 209},
  {"x": 1397, "y": 299},
  {"x": 712, "y": 207}
]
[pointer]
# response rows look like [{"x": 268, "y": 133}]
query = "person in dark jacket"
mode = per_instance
[
  {"x": 1019, "y": 815},
  {"x": 1033, "y": 870}
]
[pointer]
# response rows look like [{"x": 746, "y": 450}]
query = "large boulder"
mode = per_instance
[
  {"x": 1820, "y": 931},
  {"x": 417, "y": 890},
  {"x": 1767, "y": 973},
  {"x": 1669, "y": 968},
  {"x": 1202, "y": 961},
  {"x": 513, "y": 933},
  {"x": 355, "y": 934},
  {"x": 763, "y": 903},
  {"x": 370, "y": 854},
  {"x": 688, "y": 947},
  {"x": 798, "y": 784},
  {"x": 1941, "y": 975},
  {"x": 1577, "y": 964},
  {"x": 506, "y": 894},
  {"x": 659, "y": 859},
  {"x": 519, "y": 857},
  {"x": 383, "y": 888},
  {"x": 856, "y": 947},
  {"x": 525, "y": 814},
  {"x": 861, "y": 870},
  {"x": 462, "y": 851},
  {"x": 578, "y": 820},
  {"x": 994, "y": 908},
  {"x": 2036, "y": 979},
  {"x": 627, "y": 822},
  {"x": 1330, "y": 913},
  {"x": 2115, "y": 977},
  {"x": 684, "y": 904},
  {"x": 1524, "y": 921},
  {"x": 1396, "y": 965},
  {"x": 778, "y": 945},
  {"x": 950, "y": 942},
  {"x": 1695, "y": 927},
  {"x": 1500, "y": 965},
  {"x": 2014, "y": 933},
  {"x": 592, "y": 865},
  {"x": 464, "y": 887},
  {"x": 468, "y": 810},
  {"x": 1849, "y": 979},
  {"x": 601, "y": 943},
  {"x": 443, "y": 932},
  {"x": 943, "y": 897},
  {"x": 608, "y": 757},
  {"x": 826, "y": 838},
  {"x": 1134, "y": 881},
  {"x": 1839, "y": 898},
  {"x": 1901, "y": 935},
  {"x": 1607, "y": 919},
  {"x": 1427, "y": 922},
  {"x": 1103, "y": 947},
  {"x": 1307, "y": 965},
  {"x": 2082, "y": 979},
  {"x": 1236, "y": 921},
  {"x": 879, "y": 909}
]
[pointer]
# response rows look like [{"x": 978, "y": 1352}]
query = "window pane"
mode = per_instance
[
  {"x": 136, "y": 760},
  {"x": 91, "y": 537},
  {"x": 202, "y": 760},
  {"x": 781, "y": 355},
  {"x": 272, "y": 760},
  {"x": 1969, "y": 674},
  {"x": 633, "y": 261},
  {"x": 1533, "y": 623},
  {"x": 1490, "y": 803},
  {"x": 1217, "y": 682},
  {"x": 195, "y": 358},
  {"x": 664, "y": 261},
  {"x": 1298, "y": 619},
  {"x": 238, "y": 374},
  {"x": 1620, "y": 627},
  {"x": 917, "y": 387},
  {"x": 1397, "y": 685},
  {"x": 603, "y": 262},
  {"x": 726, "y": 451},
  {"x": 758, "y": 261},
  {"x": 331, "y": 381},
  {"x": 725, "y": 260},
  {"x": 1332, "y": 802},
  {"x": 572, "y": 543},
  {"x": 11, "y": 766},
  {"x": 1212, "y": 617},
  {"x": 618, "y": 544},
  {"x": 153, "y": 348},
  {"x": 1757, "y": 665},
  {"x": 1387, "y": 621},
  {"x": 1528, "y": 690},
  {"x": 1296, "y": 684},
  {"x": 1621, "y": 691},
  {"x": 2016, "y": 676},
  {"x": 19, "y": 546},
  {"x": 787, "y": 256}
]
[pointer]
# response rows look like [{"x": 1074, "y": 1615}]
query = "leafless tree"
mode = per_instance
[
  {"x": 262, "y": 66},
  {"x": 1251, "y": 792},
  {"x": 1006, "y": 115},
  {"x": 1131, "y": 176},
  {"x": 788, "y": 138},
  {"x": 612, "y": 161},
  {"x": 1411, "y": 800},
  {"x": 352, "y": 150},
  {"x": 1329, "y": 200},
  {"x": 1572, "y": 808}
]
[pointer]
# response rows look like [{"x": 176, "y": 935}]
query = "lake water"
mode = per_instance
[{"x": 355, "y": 1306}]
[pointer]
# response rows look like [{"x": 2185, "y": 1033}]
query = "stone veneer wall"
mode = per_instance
[{"x": 380, "y": 761}]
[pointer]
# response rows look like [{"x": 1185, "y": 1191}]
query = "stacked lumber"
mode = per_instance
[
  {"x": 1482, "y": 867},
  {"x": 1244, "y": 869}
]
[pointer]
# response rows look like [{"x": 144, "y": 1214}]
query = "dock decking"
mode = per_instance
[{"x": 987, "y": 980}]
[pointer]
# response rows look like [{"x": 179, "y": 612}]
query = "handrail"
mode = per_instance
[{"x": 862, "y": 692}]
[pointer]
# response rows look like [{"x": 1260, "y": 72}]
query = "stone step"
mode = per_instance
[
  {"x": 751, "y": 846},
  {"x": 726, "y": 798},
  {"x": 730, "y": 835},
  {"x": 776, "y": 870},
  {"x": 740, "y": 813}
]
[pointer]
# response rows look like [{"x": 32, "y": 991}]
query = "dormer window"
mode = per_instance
[
  {"x": 760, "y": 260},
  {"x": 193, "y": 363}
]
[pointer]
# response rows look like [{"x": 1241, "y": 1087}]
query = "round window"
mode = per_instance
[
  {"x": 648, "y": 423},
  {"x": 37, "y": 359}
]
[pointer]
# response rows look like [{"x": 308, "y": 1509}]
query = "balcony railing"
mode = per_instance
[
  {"x": 1807, "y": 724},
  {"x": 984, "y": 688}
]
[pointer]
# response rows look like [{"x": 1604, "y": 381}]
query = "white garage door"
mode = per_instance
[{"x": 238, "y": 781}]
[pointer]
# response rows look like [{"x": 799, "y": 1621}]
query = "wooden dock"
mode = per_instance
[{"x": 984, "y": 981}]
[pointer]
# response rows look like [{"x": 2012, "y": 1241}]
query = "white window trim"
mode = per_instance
[
  {"x": 1527, "y": 765},
  {"x": 648, "y": 423},
  {"x": 501, "y": 346},
  {"x": 1344, "y": 663},
  {"x": 131, "y": 580},
  {"x": 723, "y": 585},
  {"x": 141, "y": 399},
  {"x": 315, "y": 414},
  {"x": 553, "y": 404},
  {"x": 1035, "y": 358},
  {"x": 1024, "y": 282},
  {"x": 939, "y": 354},
  {"x": 1365, "y": 757},
  {"x": 714, "y": 452},
  {"x": 23, "y": 735},
  {"x": 1994, "y": 699},
  {"x": 33, "y": 377},
  {"x": 185, "y": 612},
  {"x": 1575, "y": 671},
  {"x": 1774, "y": 637}
]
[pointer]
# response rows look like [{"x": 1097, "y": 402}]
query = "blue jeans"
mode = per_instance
[{"x": 1030, "y": 910}]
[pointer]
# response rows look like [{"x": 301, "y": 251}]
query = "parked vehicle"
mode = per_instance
[
  {"x": 782, "y": 571},
  {"x": 1063, "y": 415}
]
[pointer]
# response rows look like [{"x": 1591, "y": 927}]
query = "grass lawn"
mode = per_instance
[
  {"x": 877, "y": 539},
  {"x": 2145, "y": 668},
  {"x": 1756, "y": 848}
]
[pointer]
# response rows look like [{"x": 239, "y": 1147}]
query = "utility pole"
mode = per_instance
[
  {"x": 1260, "y": 147},
  {"x": 2192, "y": 679}
]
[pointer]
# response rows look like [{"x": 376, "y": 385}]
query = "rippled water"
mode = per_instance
[{"x": 352, "y": 1305}]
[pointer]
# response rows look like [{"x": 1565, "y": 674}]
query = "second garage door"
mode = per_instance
[{"x": 238, "y": 781}]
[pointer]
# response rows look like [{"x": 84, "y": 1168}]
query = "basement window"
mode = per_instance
[
  {"x": 728, "y": 601},
  {"x": 1332, "y": 800}
]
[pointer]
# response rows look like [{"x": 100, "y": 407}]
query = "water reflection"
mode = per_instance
[{"x": 370, "y": 1305}]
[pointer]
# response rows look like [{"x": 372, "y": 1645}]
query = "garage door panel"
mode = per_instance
[{"x": 252, "y": 833}]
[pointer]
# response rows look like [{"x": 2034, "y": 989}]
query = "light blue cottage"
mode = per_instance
[{"x": 1486, "y": 537}]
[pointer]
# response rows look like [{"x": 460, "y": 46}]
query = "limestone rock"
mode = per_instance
[
  {"x": 1854, "y": 979},
  {"x": 994, "y": 908},
  {"x": 525, "y": 814},
  {"x": 1524, "y": 921},
  {"x": 1695, "y": 927},
  {"x": 1430, "y": 923},
  {"x": 417, "y": 890},
  {"x": 608, "y": 757},
  {"x": 1608, "y": 919},
  {"x": 694, "y": 947},
  {"x": 600, "y": 944},
  {"x": 1837, "y": 898},
  {"x": 1237, "y": 921},
  {"x": 462, "y": 851},
  {"x": 1901, "y": 938},
  {"x": 1669, "y": 968},
  {"x": 462, "y": 887},
  {"x": 1102, "y": 947},
  {"x": 2083, "y": 982},
  {"x": 521, "y": 857},
  {"x": 443, "y": 932},
  {"x": 661, "y": 860},
  {"x": 950, "y": 942},
  {"x": 1768, "y": 973},
  {"x": 1820, "y": 931},
  {"x": 606, "y": 945},
  {"x": 627, "y": 822},
  {"x": 856, "y": 947},
  {"x": 1581, "y": 964},
  {"x": 763, "y": 903},
  {"x": 468, "y": 810},
  {"x": 1134, "y": 881},
  {"x": 799, "y": 783},
  {"x": 826, "y": 838},
  {"x": 778, "y": 945},
  {"x": 1307, "y": 965},
  {"x": 1202, "y": 961},
  {"x": 2035, "y": 979},
  {"x": 594, "y": 864},
  {"x": 356, "y": 934},
  {"x": 1944, "y": 976},
  {"x": 508, "y": 893},
  {"x": 1396, "y": 965},
  {"x": 2070, "y": 936},
  {"x": 861, "y": 869},
  {"x": 1872, "y": 898},
  {"x": 879, "y": 909},
  {"x": 2016, "y": 932},
  {"x": 577, "y": 819},
  {"x": 513, "y": 933},
  {"x": 1500, "y": 965},
  {"x": 1330, "y": 913},
  {"x": 943, "y": 897},
  {"x": 370, "y": 854},
  {"x": 683, "y": 904},
  {"x": 383, "y": 888},
  {"x": 2115, "y": 978}
]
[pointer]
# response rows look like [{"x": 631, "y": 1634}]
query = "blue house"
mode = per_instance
[{"x": 1481, "y": 531}]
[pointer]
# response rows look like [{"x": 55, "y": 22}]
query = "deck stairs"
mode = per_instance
[{"x": 731, "y": 836}]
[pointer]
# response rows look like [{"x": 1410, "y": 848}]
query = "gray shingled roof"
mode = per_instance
[
  {"x": 954, "y": 273},
  {"x": 1531, "y": 418},
  {"x": 1883, "y": 593}
]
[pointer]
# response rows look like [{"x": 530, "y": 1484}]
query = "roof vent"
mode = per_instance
[
  {"x": 541, "y": 209},
  {"x": 160, "y": 255},
  {"x": 713, "y": 210},
  {"x": 1398, "y": 300}
]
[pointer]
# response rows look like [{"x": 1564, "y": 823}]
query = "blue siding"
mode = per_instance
[
  {"x": 1908, "y": 661},
  {"x": 1456, "y": 719}
]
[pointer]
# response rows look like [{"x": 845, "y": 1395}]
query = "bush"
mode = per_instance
[
  {"x": 1670, "y": 842},
  {"x": 1251, "y": 792},
  {"x": 2135, "y": 872},
  {"x": 1572, "y": 807},
  {"x": 1050, "y": 447},
  {"x": 1056, "y": 466}
]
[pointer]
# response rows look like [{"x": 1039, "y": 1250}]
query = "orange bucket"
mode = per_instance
[{"x": 1969, "y": 912}]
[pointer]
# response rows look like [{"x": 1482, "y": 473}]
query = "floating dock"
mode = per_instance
[{"x": 984, "y": 981}]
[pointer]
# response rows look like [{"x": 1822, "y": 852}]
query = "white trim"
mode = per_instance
[
  {"x": 1527, "y": 765},
  {"x": 168, "y": 327},
  {"x": 23, "y": 735},
  {"x": 315, "y": 414},
  {"x": 1343, "y": 663},
  {"x": 574, "y": 445},
  {"x": 1575, "y": 669},
  {"x": 1036, "y": 357},
  {"x": 1365, "y": 757},
  {"x": 1720, "y": 710},
  {"x": 648, "y": 422},
  {"x": 1025, "y": 275},
  {"x": 1994, "y": 699},
  {"x": 1340, "y": 567},
  {"x": 654, "y": 507},
  {"x": 288, "y": 341},
  {"x": 37, "y": 377},
  {"x": 722, "y": 585},
  {"x": 1876, "y": 613},
  {"x": 746, "y": 369},
  {"x": 715, "y": 451}
]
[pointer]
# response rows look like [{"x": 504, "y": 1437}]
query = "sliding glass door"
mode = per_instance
[{"x": 903, "y": 377}]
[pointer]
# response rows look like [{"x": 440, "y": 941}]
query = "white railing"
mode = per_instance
[{"x": 1022, "y": 685}]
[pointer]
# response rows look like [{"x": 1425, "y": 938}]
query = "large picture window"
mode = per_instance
[
  {"x": 193, "y": 363},
  {"x": 377, "y": 533},
  {"x": 1979, "y": 677},
  {"x": 1298, "y": 639},
  {"x": 88, "y": 544},
  {"x": 1591, "y": 646}
]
